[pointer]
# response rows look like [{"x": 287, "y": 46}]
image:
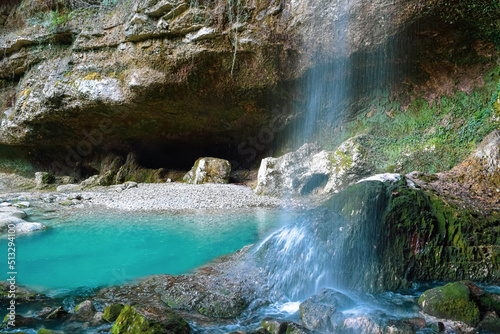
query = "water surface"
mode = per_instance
[{"x": 89, "y": 250}]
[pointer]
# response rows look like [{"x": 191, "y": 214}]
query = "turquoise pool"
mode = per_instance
[{"x": 89, "y": 250}]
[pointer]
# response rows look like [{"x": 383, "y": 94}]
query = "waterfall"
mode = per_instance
[{"x": 320, "y": 248}]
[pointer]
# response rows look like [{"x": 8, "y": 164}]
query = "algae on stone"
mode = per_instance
[{"x": 452, "y": 301}]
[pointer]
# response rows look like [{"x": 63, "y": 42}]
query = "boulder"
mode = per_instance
[
  {"x": 85, "y": 311},
  {"x": 12, "y": 215},
  {"x": 309, "y": 171},
  {"x": 25, "y": 227},
  {"x": 274, "y": 326},
  {"x": 320, "y": 311},
  {"x": 490, "y": 323},
  {"x": 452, "y": 301},
  {"x": 209, "y": 170},
  {"x": 43, "y": 179},
  {"x": 12, "y": 212},
  {"x": 149, "y": 320}
]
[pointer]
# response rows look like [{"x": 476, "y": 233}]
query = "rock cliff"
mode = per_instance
[{"x": 175, "y": 80}]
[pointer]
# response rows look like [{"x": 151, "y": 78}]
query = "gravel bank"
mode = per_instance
[{"x": 179, "y": 196}]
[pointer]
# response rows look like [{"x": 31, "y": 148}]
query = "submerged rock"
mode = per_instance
[
  {"x": 209, "y": 170},
  {"x": 136, "y": 319}
]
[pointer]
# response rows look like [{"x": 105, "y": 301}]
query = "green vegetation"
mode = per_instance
[
  {"x": 111, "y": 312},
  {"x": 482, "y": 16},
  {"x": 451, "y": 301},
  {"x": 429, "y": 137}
]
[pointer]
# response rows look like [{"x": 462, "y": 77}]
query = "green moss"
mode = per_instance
[
  {"x": 428, "y": 137},
  {"x": 129, "y": 321},
  {"x": 111, "y": 312},
  {"x": 132, "y": 322},
  {"x": 451, "y": 301},
  {"x": 47, "y": 331}
]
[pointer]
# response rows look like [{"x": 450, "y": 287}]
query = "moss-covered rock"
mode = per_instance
[
  {"x": 209, "y": 170},
  {"x": 85, "y": 311},
  {"x": 452, "y": 301},
  {"x": 490, "y": 323},
  {"x": 133, "y": 320},
  {"x": 47, "y": 331},
  {"x": 111, "y": 312},
  {"x": 274, "y": 326},
  {"x": 417, "y": 235}
]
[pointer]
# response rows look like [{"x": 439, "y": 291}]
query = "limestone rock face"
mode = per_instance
[
  {"x": 209, "y": 170},
  {"x": 307, "y": 171},
  {"x": 172, "y": 72}
]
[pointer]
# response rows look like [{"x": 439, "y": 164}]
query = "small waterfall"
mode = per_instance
[
  {"x": 320, "y": 248},
  {"x": 326, "y": 87}
]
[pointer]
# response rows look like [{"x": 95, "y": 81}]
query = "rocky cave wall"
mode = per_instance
[{"x": 163, "y": 78}]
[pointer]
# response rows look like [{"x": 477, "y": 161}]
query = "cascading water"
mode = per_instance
[{"x": 321, "y": 249}]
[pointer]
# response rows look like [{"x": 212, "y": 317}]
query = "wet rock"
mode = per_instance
[
  {"x": 307, "y": 171},
  {"x": 209, "y": 170},
  {"x": 111, "y": 312},
  {"x": 26, "y": 227},
  {"x": 151, "y": 320},
  {"x": 294, "y": 328},
  {"x": 417, "y": 322},
  {"x": 57, "y": 313},
  {"x": 47, "y": 331},
  {"x": 274, "y": 326},
  {"x": 490, "y": 323},
  {"x": 318, "y": 312},
  {"x": 85, "y": 311},
  {"x": 22, "y": 294},
  {"x": 12, "y": 212},
  {"x": 20, "y": 321},
  {"x": 438, "y": 327},
  {"x": 13, "y": 216},
  {"x": 217, "y": 302},
  {"x": 452, "y": 301},
  {"x": 399, "y": 326},
  {"x": 363, "y": 324}
]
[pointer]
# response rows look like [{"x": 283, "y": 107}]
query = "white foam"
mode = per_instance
[
  {"x": 290, "y": 307},
  {"x": 382, "y": 177}
]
